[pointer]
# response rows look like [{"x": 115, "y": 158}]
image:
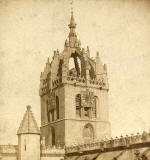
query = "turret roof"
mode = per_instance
[{"x": 28, "y": 124}]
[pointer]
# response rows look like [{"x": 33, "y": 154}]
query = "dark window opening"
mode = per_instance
[
  {"x": 57, "y": 107},
  {"x": 87, "y": 112},
  {"x": 53, "y": 136}
]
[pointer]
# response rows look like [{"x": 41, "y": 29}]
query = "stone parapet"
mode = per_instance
[
  {"x": 126, "y": 141},
  {"x": 53, "y": 150},
  {"x": 80, "y": 82}
]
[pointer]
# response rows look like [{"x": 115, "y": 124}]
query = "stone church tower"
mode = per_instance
[{"x": 74, "y": 95}]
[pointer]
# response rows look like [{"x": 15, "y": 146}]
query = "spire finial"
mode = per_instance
[
  {"x": 28, "y": 107},
  {"x": 72, "y": 21},
  {"x": 71, "y": 4}
]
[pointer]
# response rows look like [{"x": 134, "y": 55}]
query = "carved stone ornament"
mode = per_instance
[{"x": 87, "y": 98}]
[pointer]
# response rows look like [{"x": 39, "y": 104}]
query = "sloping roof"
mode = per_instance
[{"x": 28, "y": 124}]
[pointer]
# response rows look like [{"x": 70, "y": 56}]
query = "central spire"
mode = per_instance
[
  {"x": 72, "y": 21},
  {"x": 73, "y": 41},
  {"x": 72, "y": 26}
]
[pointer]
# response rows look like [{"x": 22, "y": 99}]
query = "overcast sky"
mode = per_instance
[{"x": 119, "y": 29}]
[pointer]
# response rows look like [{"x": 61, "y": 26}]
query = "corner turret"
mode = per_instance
[{"x": 28, "y": 137}]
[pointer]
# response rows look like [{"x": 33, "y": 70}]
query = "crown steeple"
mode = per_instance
[{"x": 74, "y": 70}]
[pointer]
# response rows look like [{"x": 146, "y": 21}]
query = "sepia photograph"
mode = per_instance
[{"x": 75, "y": 80}]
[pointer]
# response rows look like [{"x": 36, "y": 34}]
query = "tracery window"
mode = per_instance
[{"x": 86, "y": 105}]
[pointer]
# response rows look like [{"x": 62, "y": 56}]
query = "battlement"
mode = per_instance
[{"x": 122, "y": 142}]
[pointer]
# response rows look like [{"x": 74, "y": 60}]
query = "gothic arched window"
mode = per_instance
[
  {"x": 88, "y": 132},
  {"x": 78, "y": 105},
  {"x": 57, "y": 107}
]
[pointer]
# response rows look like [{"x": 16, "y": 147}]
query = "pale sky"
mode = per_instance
[{"x": 119, "y": 29}]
